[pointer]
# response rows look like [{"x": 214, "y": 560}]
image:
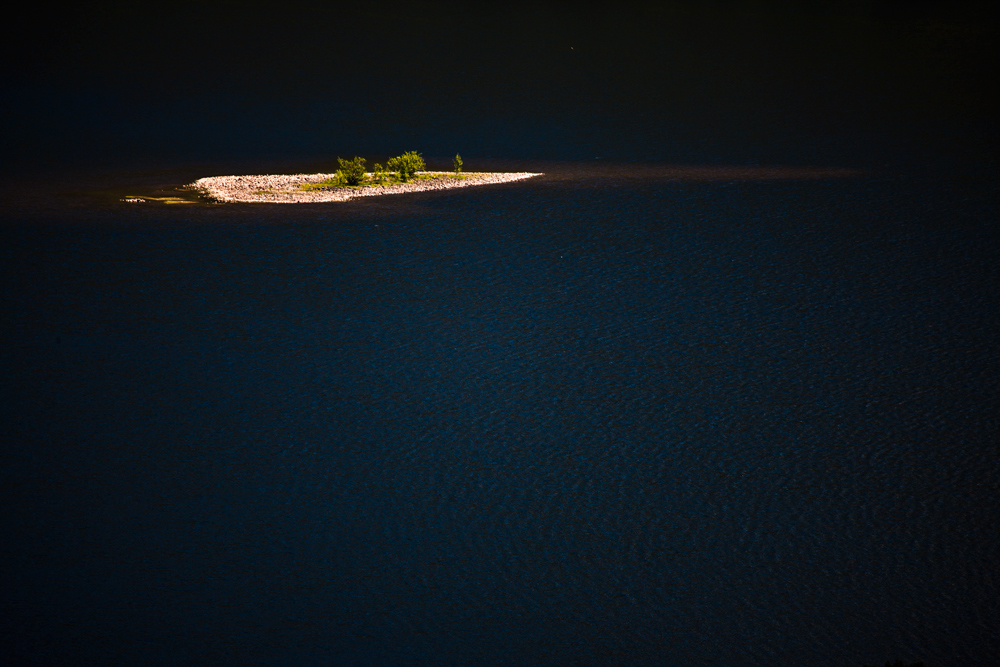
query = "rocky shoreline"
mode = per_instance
[{"x": 287, "y": 189}]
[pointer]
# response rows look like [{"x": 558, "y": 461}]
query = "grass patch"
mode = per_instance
[
  {"x": 370, "y": 182},
  {"x": 434, "y": 177},
  {"x": 323, "y": 185}
]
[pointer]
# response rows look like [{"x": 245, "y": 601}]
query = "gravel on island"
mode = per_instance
[{"x": 287, "y": 189}]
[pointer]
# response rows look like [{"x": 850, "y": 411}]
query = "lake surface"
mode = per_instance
[{"x": 627, "y": 413}]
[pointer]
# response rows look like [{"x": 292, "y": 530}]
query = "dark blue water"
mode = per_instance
[
  {"x": 603, "y": 417},
  {"x": 663, "y": 406}
]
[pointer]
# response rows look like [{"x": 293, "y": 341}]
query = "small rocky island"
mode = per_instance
[{"x": 406, "y": 173}]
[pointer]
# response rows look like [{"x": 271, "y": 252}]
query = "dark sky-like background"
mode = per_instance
[{"x": 718, "y": 81}]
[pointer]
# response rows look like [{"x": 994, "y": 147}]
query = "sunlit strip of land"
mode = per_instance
[{"x": 318, "y": 188}]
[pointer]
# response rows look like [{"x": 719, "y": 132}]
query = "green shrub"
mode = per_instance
[
  {"x": 406, "y": 165},
  {"x": 351, "y": 172},
  {"x": 395, "y": 164},
  {"x": 379, "y": 175},
  {"x": 458, "y": 163}
]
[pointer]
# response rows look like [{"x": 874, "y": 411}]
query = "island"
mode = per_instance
[{"x": 406, "y": 173}]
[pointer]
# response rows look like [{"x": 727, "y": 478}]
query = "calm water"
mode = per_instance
[{"x": 619, "y": 415}]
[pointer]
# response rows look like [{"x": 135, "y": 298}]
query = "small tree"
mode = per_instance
[
  {"x": 379, "y": 174},
  {"x": 351, "y": 172},
  {"x": 458, "y": 163},
  {"x": 406, "y": 165}
]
